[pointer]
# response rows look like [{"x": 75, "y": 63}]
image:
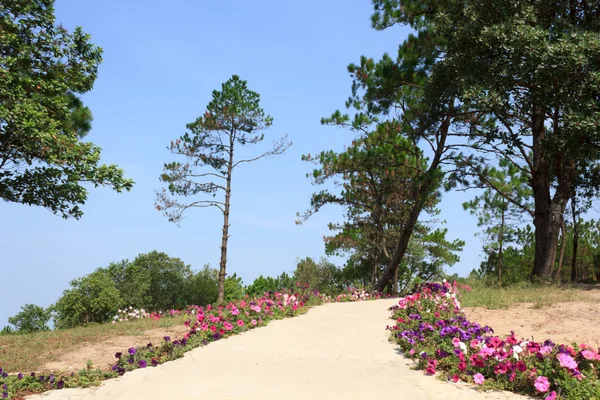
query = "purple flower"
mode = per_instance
[
  {"x": 5, "y": 395},
  {"x": 118, "y": 355},
  {"x": 20, "y": 376},
  {"x": 167, "y": 339},
  {"x": 142, "y": 364},
  {"x": 154, "y": 362},
  {"x": 60, "y": 384},
  {"x": 131, "y": 350}
]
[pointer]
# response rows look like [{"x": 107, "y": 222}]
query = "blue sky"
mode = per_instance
[{"x": 161, "y": 62}]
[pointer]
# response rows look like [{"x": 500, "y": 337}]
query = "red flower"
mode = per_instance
[{"x": 462, "y": 366}]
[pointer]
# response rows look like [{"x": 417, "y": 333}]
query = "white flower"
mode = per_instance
[
  {"x": 516, "y": 351},
  {"x": 463, "y": 346}
]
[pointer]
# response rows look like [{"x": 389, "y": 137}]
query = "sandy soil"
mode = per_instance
[
  {"x": 562, "y": 323},
  {"x": 102, "y": 354},
  {"x": 336, "y": 351}
]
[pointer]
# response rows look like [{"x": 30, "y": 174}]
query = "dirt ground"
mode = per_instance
[
  {"x": 562, "y": 322},
  {"x": 102, "y": 354}
]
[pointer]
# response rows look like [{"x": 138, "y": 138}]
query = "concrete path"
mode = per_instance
[{"x": 335, "y": 351}]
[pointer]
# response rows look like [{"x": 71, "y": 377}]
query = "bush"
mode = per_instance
[
  {"x": 203, "y": 287},
  {"x": 234, "y": 288},
  {"x": 92, "y": 299},
  {"x": 263, "y": 285},
  {"x": 323, "y": 276},
  {"x": 32, "y": 318}
]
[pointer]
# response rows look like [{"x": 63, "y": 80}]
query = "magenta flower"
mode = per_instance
[
  {"x": 551, "y": 396},
  {"x": 478, "y": 378},
  {"x": 541, "y": 384},
  {"x": 240, "y": 322},
  {"x": 567, "y": 361},
  {"x": 588, "y": 354}
]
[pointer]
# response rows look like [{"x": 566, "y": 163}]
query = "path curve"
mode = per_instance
[{"x": 335, "y": 351}]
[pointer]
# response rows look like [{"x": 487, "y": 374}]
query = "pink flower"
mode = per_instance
[
  {"x": 455, "y": 378},
  {"x": 235, "y": 311},
  {"x": 551, "y": 396},
  {"x": 588, "y": 354},
  {"x": 227, "y": 326},
  {"x": 456, "y": 342},
  {"x": 240, "y": 322},
  {"x": 253, "y": 322},
  {"x": 204, "y": 326},
  {"x": 545, "y": 350},
  {"x": 541, "y": 384},
  {"x": 474, "y": 344},
  {"x": 567, "y": 361},
  {"x": 478, "y": 378}
]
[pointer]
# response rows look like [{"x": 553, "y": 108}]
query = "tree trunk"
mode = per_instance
[
  {"x": 575, "y": 238},
  {"x": 395, "y": 284},
  {"x": 558, "y": 272},
  {"x": 225, "y": 237},
  {"x": 548, "y": 209},
  {"x": 500, "y": 243},
  {"x": 429, "y": 184}
]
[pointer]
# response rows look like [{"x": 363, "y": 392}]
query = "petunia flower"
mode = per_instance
[
  {"x": 551, "y": 396},
  {"x": 541, "y": 384},
  {"x": 478, "y": 378},
  {"x": 588, "y": 354},
  {"x": 567, "y": 361}
]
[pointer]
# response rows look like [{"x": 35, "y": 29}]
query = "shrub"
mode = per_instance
[
  {"x": 32, "y": 318},
  {"x": 92, "y": 299}
]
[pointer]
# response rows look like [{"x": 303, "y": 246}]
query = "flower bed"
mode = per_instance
[
  {"x": 432, "y": 329},
  {"x": 206, "y": 324}
]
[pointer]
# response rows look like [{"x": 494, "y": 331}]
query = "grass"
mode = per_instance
[
  {"x": 540, "y": 295},
  {"x": 29, "y": 352}
]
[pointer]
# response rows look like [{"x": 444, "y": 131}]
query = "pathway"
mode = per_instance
[{"x": 335, "y": 351}]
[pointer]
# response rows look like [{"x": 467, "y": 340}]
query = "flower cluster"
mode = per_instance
[
  {"x": 355, "y": 294},
  {"x": 130, "y": 314},
  {"x": 432, "y": 328}
]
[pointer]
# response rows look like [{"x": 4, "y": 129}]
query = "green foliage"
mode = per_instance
[
  {"x": 166, "y": 276},
  {"x": 43, "y": 162},
  {"x": 154, "y": 281},
  {"x": 202, "y": 287},
  {"x": 263, "y": 285},
  {"x": 232, "y": 118},
  {"x": 132, "y": 282},
  {"x": 32, "y": 318},
  {"x": 530, "y": 69},
  {"x": 91, "y": 299},
  {"x": 322, "y": 276},
  {"x": 497, "y": 210},
  {"x": 234, "y": 288}
]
